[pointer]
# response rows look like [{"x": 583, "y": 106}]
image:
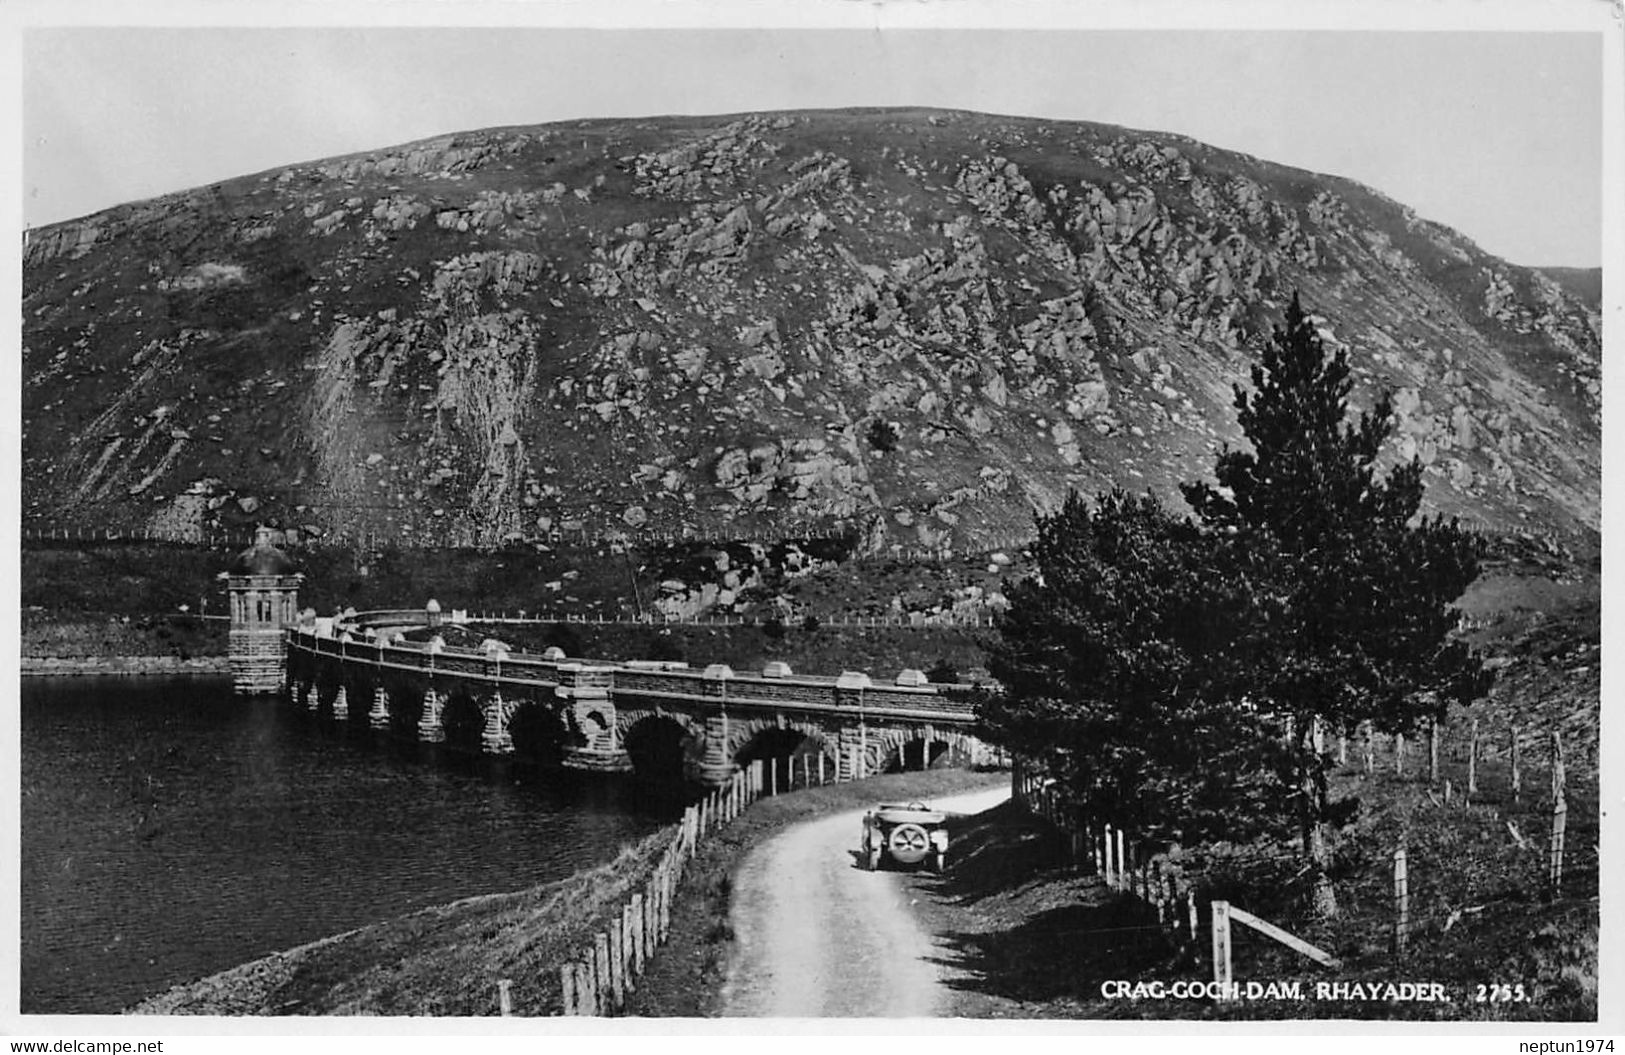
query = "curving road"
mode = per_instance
[{"x": 818, "y": 936}]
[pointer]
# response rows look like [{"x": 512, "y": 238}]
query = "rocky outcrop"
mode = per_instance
[{"x": 917, "y": 326}]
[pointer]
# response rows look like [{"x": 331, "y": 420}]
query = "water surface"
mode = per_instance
[{"x": 171, "y": 830}]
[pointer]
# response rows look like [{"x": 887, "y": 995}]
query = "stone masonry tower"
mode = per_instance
[{"x": 264, "y": 591}]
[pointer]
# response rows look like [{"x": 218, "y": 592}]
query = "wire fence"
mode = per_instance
[
  {"x": 1561, "y": 866},
  {"x": 45, "y": 534},
  {"x": 979, "y": 619}
]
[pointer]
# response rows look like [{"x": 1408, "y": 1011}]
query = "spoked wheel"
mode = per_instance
[{"x": 909, "y": 843}]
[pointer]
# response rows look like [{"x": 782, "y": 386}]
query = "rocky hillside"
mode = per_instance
[{"x": 922, "y": 324}]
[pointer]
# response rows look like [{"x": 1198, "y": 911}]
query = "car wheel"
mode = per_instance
[{"x": 909, "y": 843}]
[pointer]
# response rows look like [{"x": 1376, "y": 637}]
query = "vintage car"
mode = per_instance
[{"x": 907, "y": 833}]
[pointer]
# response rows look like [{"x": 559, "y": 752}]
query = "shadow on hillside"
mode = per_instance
[
  {"x": 999, "y": 851},
  {"x": 1062, "y": 953},
  {"x": 1053, "y": 933}
]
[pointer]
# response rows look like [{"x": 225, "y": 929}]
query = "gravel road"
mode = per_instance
[{"x": 816, "y": 935}]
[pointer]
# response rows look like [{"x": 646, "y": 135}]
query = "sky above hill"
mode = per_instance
[{"x": 1496, "y": 134}]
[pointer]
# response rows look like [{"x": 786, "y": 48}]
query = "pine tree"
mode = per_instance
[
  {"x": 1177, "y": 675},
  {"x": 1107, "y": 663},
  {"x": 1354, "y": 617}
]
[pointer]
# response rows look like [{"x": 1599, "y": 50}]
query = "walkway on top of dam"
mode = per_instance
[{"x": 376, "y": 639}]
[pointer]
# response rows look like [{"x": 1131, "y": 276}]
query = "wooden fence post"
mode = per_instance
[
  {"x": 1559, "y": 778},
  {"x": 1472, "y": 759},
  {"x": 567, "y": 989},
  {"x": 617, "y": 962},
  {"x": 652, "y": 911},
  {"x": 1190, "y": 908},
  {"x": 1370, "y": 750},
  {"x": 1121, "y": 880},
  {"x": 634, "y": 927},
  {"x": 651, "y": 918},
  {"x": 1221, "y": 948},
  {"x": 600, "y": 972},
  {"x": 1560, "y": 814},
  {"x": 1433, "y": 751},
  {"x": 1402, "y": 902},
  {"x": 1106, "y": 839},
  {"x": 1517, "y": 775},
  {"x": 666, "y": 889},
  {"x": 1399, "y": 754},
  {"x": 504, "y": 998},
  {"x": 587, "y": 986}
]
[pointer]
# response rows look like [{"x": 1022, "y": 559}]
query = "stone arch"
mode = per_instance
[
  {"x": 359, "y": 684},
  {"x": 891, "y": 748},
  {"x": 665, "y": 747},
  {"x": 537, "y": 728},
  {"x": 627, "y": 718},
  {"x": 743, "y": 735},
  {"x": 405, "y": 703},
  {"x": 463, "y": 718}
]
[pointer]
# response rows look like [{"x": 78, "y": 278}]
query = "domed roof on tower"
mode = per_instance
[{"x": 262, "y": 558}]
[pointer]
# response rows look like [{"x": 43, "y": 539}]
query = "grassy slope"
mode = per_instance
[
  {"x": 1034, "y": 940},
  {"x": 444, "y": 960}
]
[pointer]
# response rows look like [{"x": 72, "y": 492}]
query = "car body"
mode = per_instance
[{"x": 906, "y": 833}]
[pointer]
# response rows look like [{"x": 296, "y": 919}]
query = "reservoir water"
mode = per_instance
[{"x": 171, "y": 830}]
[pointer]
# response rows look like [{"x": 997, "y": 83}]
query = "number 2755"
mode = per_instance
[{"x": 1496, "y": 993}]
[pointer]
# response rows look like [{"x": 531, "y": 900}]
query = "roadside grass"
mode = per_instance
[
  {"x": 686, "y": 976},
  {"x": 445, "y": 960}
]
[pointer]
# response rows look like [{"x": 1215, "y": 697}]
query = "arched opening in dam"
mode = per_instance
[
  {"x": 789, "y": 757},
  {"x": 538, "y": 734},
  {"x": 464, "y": 722},
  {"x": 920, "y": 753},
  {"x": 660, "y": 749}
]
